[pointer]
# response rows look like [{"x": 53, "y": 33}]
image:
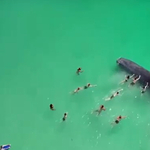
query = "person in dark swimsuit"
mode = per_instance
[
  {"x": 113, "y": 95},
  {"x": 144, "y": 88},
  {"x": 51, "y": 107},
  {"x": 65, "y": 116},
  {"x": 79, "y": 71},
  {"x": 118, "y": 119},
  {"x": 88, "y": 85},
  {"x": 127, "y": 78}
]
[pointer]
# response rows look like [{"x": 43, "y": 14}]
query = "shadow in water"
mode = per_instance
[{"x": 114, "y": 129}]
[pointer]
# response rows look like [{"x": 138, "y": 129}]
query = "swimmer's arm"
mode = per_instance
[
  {"x": 80, "y": 71},
  {"x": 123, "y": 117},
  {"x": 132, "y": 76},
  {"x": 139, "y": 77}
]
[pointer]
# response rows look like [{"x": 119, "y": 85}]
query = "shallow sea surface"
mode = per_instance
[{"x": 42, "y": 43}]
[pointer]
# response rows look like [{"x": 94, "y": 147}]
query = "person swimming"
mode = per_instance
[
  {"x": 114, "y": 95},
  {"x": 51, "y": 107},
  {"x": 135, "y": 80},
  {"x": 126, "y": 79},
  {"x": 5, "y": 147},
  {"x": 100, "y": 109},
  {"x": 144, "y": 88},
  {"x": 79, "y": 71},
  {"x": 118, "y": 119},
  {"x": 89, "y": 85},
  {"x": 65, "y": 117},
  {"x": 77, "y": 90}
]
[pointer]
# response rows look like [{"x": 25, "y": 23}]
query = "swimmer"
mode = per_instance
[
  {"x": 79, "y": 71},
  {"x": 127, "y": 78},
  {"x": 77, "y": 90},
  {"x": 100, "y": 109},
  {"x": 118, "y": 119},
  {"x": 144, "y": 88},
  {"x": 114, "y": 95},
  {"x": 89, "y": 85},
  {"x": 5, "y": 147},
  {"x": 51, "y": 107},
  {"x": 65, "y": 117},
  {"x": 135, "y": 80}
]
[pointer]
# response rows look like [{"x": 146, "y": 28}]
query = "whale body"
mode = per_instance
[{"x": 134, "y": 68}]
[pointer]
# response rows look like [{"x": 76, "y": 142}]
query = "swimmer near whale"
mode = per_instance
[{"x": 135, "y": 69}]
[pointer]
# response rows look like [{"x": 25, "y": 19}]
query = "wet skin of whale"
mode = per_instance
[{"x": 134, "y": 68}]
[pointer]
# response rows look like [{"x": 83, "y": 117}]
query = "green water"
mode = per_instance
[{"x": 42, "y": 43}]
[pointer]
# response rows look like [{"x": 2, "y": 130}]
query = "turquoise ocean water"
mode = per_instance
[{"x": 42, "y": 43}]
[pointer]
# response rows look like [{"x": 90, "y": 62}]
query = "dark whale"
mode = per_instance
[{"x": 133, "y": 68}]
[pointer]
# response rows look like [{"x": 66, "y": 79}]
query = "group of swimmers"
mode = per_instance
[{"x": 135, "y": 79}]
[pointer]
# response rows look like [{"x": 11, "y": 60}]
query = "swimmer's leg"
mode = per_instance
[
  {"x": 95, "y": 111},
  {"x": 122, "y": 82},
  {"x": 74, "y": 92},
  {"x": 71, "y": 93},
  {"x": 77, "y": 72},
  {"x": 120, "y": 90},
  {"x": 113, "y": 124},
  {"x": 99, "y": 112},
  {"x": 107, "y": 99}
]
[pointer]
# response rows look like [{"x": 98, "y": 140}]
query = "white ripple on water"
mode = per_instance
[
  {"x": 89, "y": 123},
  {"x": 138, "y": 116}
]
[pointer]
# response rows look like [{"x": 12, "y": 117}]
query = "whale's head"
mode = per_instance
[{"x": 119, "y": 60}]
